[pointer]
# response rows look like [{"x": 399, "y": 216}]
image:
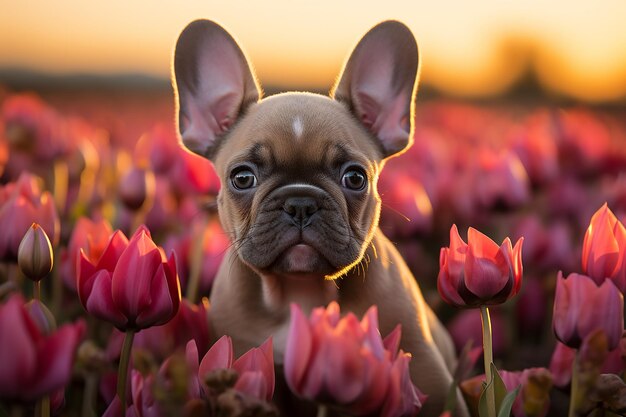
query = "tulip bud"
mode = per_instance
[
  {"x": 34, "y": 255},
  {"x": 136, "y": 188}
]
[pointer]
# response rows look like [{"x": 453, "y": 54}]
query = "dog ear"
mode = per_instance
[
  {"x": 214, "y": 84},
  {"x": 379, "y": 82}
]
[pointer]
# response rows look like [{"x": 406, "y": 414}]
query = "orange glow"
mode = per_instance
[{"x": 478, "y": 50}]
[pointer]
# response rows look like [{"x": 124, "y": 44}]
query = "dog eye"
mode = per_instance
[
  {"x": 244, "y": 179},
  {"x": 354, "y": 179}
]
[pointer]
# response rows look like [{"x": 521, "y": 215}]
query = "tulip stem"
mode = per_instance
[
  {"x": 574, "y": 386},
  {"x": 17, "y": 411},
  {"x": 195, "y": 267},
  {"x": 122, "y": 373},
  {"x": 89, "y": 395},
  {"x": 488, "y": 355},
  {"x": 42, "y": 408},
  {"x": 37, "y": 291},
  {"x": 322, "y": 410}
]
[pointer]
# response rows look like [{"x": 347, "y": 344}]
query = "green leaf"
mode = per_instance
[
  {"x": 451, "y": 398},
  {"x": 483, "y": 408},
  {"x": 507, "y": 403},
  {"x": 499, "y": 387}
]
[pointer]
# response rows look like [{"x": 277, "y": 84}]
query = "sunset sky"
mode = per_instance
[{"x": 468, "y": 48}]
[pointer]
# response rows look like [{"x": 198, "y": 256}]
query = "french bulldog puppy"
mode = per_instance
[{"x": 298, "y": 193}]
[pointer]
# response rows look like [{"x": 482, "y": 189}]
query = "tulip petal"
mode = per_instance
[
  {"x": 485, "y": 277},
  {"x": 373, "y": 340},
  {"x": 100, "y": 303},
  {"x": 18, "y": 345},
  {"x": 600, "y": 249},
  {"x": 344, "y": 368},
  {"x": 297, "y": 349},
  {"x": 56, "y": 359},
  {"x": 605, "y": 311},
  {"x": 253, "y": 384},
  {"x": 132, "y": 279},
  {"x": 219, "y": 356},
  {"x": 160, "y": 309},
  {"x": 392, "y": 340},
  {"x": 115, "y": 247},
  {"x": 260, "y": 360},
  {"x": 455, "y": 256}
]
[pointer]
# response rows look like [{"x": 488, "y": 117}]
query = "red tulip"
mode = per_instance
[
  {"x": 604, "y": 249},
  {"x": 133, "y": 285},
  {"x": 479, "y": 272},
  {"x": 255, "y": 368},
  {"x": 582, "y": 307},
  {"x": 90, "y": 236},
  {"x": 21, "y": 204},
  {"x": 344, "y": 361},
  {"x": 34, "y": 364}
]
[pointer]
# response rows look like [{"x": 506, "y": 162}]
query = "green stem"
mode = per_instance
[
  {"x": 44, "y": 406},
  {"x": 17, "y": 411},
  {"x": 322, "y": 410},
  {"x": 57, "y": 292},
  {"x": 37, "y": 291},
  {"x": 195, "y": 264},
  {"x": 122, "y": 373},
  {"x": 574, "y": 386},
  {"x": 60, "y": 181},
  {"x": 90, "y": 393},
  {"x": 488, "y": 355}
]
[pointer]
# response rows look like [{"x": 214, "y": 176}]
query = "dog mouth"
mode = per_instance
[{"x": 301, "y": 258}]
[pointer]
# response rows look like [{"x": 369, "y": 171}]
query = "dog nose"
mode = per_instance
[{"x": 300, "y": 209}]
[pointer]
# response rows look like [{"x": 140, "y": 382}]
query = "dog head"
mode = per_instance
[{"x": 298, "y": 170}]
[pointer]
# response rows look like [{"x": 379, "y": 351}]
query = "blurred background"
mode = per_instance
[{"x": 561, "y": 49}]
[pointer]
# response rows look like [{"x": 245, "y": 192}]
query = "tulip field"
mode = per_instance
[{"x": 508, "y": 214}]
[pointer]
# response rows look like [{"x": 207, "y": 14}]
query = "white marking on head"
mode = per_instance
[{"x": 298, "y": 127}]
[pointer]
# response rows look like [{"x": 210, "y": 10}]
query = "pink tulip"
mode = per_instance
[
  {"x": 345, "y": 362},
  {"x": 501, "y": 179},
  {"x": 21, "y": 204},
  {"x": 604, "y": 249},
  {"x": 90, "y": 236},
  {"x": 255, "y": 368},
  {"x": 582, "y": 307},
  {"x": 175, "y": 376},
  {"x": 535, "y": 144},
  {"x": 407, "y": 208},
  {"x": 533, "y": 400},
  {"x": 190, "y": 323},
  {"x": 479, "y": 272},
  {"x": 132, "y": 285},
  {"x": 34, "y": 364},
  {"x": 32, "y": 127},
  {"x": 137, "y": 188}
]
